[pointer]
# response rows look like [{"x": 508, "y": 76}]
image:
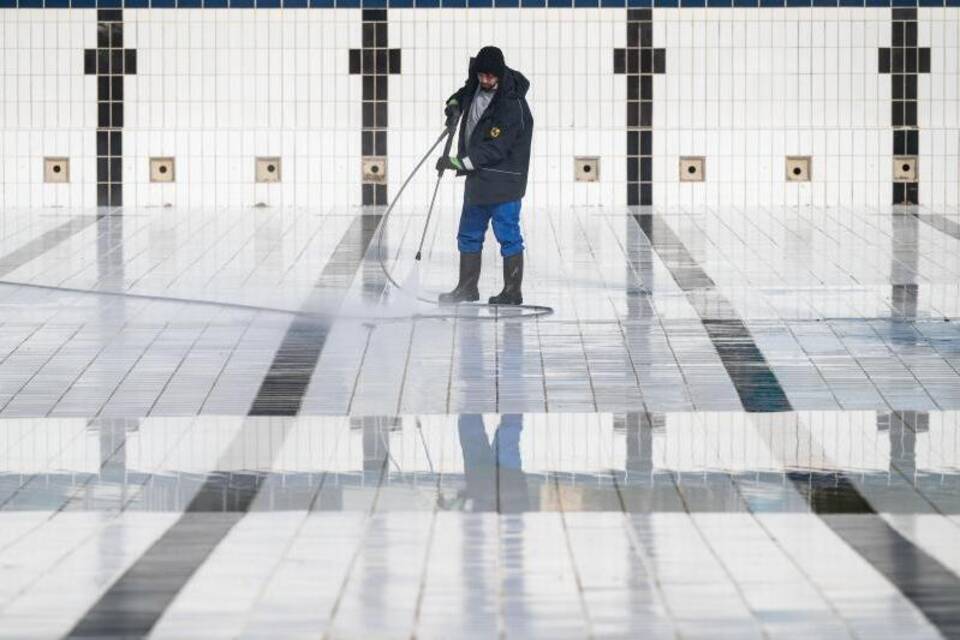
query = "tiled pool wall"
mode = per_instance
[{"x": 868, "y": 93}]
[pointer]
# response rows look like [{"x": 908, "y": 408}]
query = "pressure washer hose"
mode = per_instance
[{"x": 524, "y": 311}]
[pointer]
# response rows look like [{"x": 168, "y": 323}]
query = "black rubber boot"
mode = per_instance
[
  {"x": 466, "y": 290},
  {"x": 512, "y": 279}
]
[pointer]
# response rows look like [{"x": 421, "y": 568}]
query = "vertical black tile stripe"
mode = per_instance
[
  {"x": 903, "y": 61},
  {"x": 639, "y": 61},
  {"x": 138, "y": 599},
  {"x": 375, "y": 63},
  {"x": 755, "y": 383},
  {"x": 109, "y": 62}
]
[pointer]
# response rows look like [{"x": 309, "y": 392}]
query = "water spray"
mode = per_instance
[{"x": 523, "y": 311}]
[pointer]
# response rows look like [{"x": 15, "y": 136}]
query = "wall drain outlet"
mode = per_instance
[
  {"x": 905, "y": 168},
  {"x": 693, "y": 169},
  {"x": 374, "y": 170},
  {"x": 268, "y": 170},
  {"x": 56, "y": 170},
  {"x": 161, "y": 170},
  {"x": 798, "y": 168},
  {"x": 587, "y": 169}
]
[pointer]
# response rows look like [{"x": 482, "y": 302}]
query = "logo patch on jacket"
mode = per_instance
[{"x": 495, "y": 132}]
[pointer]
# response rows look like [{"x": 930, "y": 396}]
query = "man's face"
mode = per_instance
[{"x": 488, "y": 81}]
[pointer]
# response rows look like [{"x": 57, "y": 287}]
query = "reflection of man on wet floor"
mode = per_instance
[
  {"x": 494, "y": 474},
  {"x": 493, "y": 469}
]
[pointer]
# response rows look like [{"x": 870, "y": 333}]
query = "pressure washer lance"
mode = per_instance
[
  {"x": 526, "y": 311},
  {"x": 436, "y": 187}
]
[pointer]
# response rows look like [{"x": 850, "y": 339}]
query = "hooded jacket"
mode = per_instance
[{"x": 498, "y": 154}]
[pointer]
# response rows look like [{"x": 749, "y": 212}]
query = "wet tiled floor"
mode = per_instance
[{"x": 224, "y": 423}]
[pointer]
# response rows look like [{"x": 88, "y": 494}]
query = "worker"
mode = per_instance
[{"x": 493, "y": 152}]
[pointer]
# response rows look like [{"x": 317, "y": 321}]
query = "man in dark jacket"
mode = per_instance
[{"x": 493, "y": 152}]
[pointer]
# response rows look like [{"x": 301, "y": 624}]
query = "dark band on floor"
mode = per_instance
[
  {"x": 754, "y": 381},
  {"x": 158, "y": 575},
  {"x": 45, "y": 242},
  {"x": 940, "y": 222}
]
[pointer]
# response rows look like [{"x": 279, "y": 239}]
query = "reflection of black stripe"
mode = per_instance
[
  {"x": 755, "y": 382},
  {"x": 47, "y": 241},
  {"x": 134, "y": 604},
  {"x": 903, "y": 267},
  {"x": 831, "y": 491},
  {"x": 940, "y": 223}
]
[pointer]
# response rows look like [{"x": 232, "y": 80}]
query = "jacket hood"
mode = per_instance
[{"x": 515, "y": 84}]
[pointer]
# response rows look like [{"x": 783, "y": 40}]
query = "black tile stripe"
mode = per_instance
[
  {"x": 904, "y": 60},
  {"x": 138, "y": 599},
  {"x": 639, "y": 61},
  {"x": 375, "y": 62},
  {"x": 930, "y": 586},
  {"x": 134, "y": 604},
  {"x": 109, "y": 62},
  {"x": 285, "y": 384},
  {"x": 755, "y": 383}
]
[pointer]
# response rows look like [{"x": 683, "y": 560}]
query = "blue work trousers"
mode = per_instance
[{"x": 506, "y": 227}]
